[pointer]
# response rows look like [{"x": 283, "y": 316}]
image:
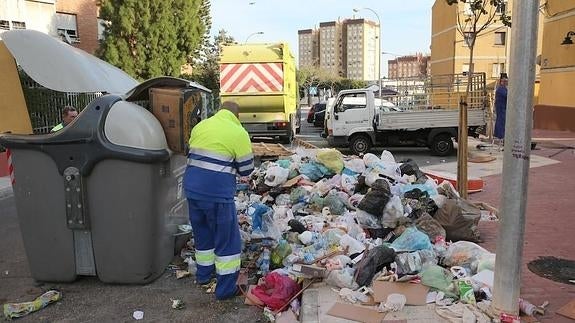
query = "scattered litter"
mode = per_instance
[
  {"x": 177, "y": 304},
  {"x": 394, "y": 303},
  {"x": 138, "y": 315},
  {"x": 14, "y": 310}
]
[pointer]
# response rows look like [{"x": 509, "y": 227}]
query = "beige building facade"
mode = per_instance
[
  {"x": 449, "y": 48},
  {"x": 555, "y": 109}
]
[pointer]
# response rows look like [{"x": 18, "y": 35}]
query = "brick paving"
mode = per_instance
[{"x": 550, "y": 225}]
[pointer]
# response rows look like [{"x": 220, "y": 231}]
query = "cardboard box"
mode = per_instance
[
  {"x": 416, "y": 294},
  {"x": 356, "y": 313},
  {"x": 178, "y": 110}
]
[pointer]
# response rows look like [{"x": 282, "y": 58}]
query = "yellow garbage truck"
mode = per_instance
[{"x": 261, "y": 79}]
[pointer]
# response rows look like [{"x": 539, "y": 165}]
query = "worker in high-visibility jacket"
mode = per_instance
[{"x": 220, "y": 150}]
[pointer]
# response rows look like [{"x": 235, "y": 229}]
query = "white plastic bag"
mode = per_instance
[
  {"x": 356, "y": 165},
  {"x": 392, "y": 212},
  {"x": 276, "y": 175}
]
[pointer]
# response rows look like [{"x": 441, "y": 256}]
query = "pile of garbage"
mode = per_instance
[{"x": 360, "y": 224}]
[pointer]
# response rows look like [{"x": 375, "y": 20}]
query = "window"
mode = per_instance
[
  {"x": 500, "y": 38},
  {"x": 4, "y": 25},
  {"x": 18, "y": 25},
  {"x": 501, "y": 8},
  {"x": 66, "y": 25},
  {"x": 101, "y": 27},
  {"x": 465, "y": 68},
  {"x": 352, "y": 101},
  {"x": 469, "y": 38},
  {"x": 497, "y": 69}
]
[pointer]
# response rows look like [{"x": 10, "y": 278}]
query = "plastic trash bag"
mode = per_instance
[
  {"x": 342, "y": 278},
  {"x": 427, "y": 187},
  {"x": 283, "y": 199},
  {"x": 356, "y": 165},
  {"x": 298, "y": 195},
  {"x": 335, "y": 204},
  {"x": 376, "y": 199},
  {"x": 410, "y": 240},
  {"x": 413, "y": 262},
  {"x": 279, "y": 253},
  {"x": 460, "y": 219},
  {"x": 348, "y": 183},
  {"x": 355, "y": 199},
  {"x": 276, "y": 175},
  {"x": 332, "y": 159},
  {"x": 372, "y": 263},
  {"x": 367, "y": 220},
  {"x": 466, "y": 254},
  {"x": 430, "y": 226},
  {"x": 333, "y": 236},
  {"x": 354, "y": 246},
  {"x": 392, "y": 212},
  {"x": 276, "y": 290},
  {"x": 387, "y": 157},
  {"x": 439, "y": 278},
  {"x": 314, "y": 171}
]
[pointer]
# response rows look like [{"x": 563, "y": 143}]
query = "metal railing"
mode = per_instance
[
  {"x": 436, "y": 92},
  {"x": 45, "y": 105}
]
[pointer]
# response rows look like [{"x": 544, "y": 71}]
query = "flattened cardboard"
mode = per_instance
[
  {"x": 356, "y": 313},
  {"x": 416, "y": 294},
  {"x": 568, "y": 310}
]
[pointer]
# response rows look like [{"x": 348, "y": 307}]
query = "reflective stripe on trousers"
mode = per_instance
[
  {"x": 226, "y": 265},
  {"x": 205, "y": 257}
]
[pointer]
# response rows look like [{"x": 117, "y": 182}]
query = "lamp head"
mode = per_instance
[{"x": 568, "y": 40}]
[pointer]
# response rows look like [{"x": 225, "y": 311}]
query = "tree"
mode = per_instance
[
  {"x": 476, "y": 17},
  {"x": 206, "y": 68},
  {"x": 149, "y": 38}
]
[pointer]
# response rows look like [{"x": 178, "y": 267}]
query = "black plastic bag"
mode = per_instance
[{"x": 372, "y": 263}]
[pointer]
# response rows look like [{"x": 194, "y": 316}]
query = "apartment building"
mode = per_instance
[
  {"x": 78, "y": 20},
  {"x": 37, "y": 15},
  {"x": 74, "y": 21},
  {"x": 330, "y": 47},
  {"x": 348, "y": 48},
  {"x": 308, "y": 40},
  {"x": 450, "y": 51},
  {"x": 414, "y": 66},
  {"x": 555, "y": 109}
]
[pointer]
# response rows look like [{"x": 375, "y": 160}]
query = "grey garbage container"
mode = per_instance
[{"x": 102, "y": 197}]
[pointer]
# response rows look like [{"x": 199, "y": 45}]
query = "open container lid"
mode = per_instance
[{"x": 61, "y": 67}]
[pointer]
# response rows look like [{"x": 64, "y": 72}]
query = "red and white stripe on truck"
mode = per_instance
[{"x": 251, "y": 78}]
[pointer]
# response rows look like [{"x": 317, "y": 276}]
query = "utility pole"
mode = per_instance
[{"x": 519, "y": 120}]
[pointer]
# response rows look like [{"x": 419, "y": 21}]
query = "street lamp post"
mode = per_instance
[
  {"x": 379, "y": 43},
  {"x": 253, "y": 34}
]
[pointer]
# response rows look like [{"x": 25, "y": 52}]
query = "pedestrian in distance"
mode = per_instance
[
  {"x": 500, "y": 108},
  {"x": 220, "y": 150},
  {"x": 68, "y": 114}
]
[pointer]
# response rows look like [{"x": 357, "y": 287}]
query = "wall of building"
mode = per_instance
[
  {"x": 37, "y": 15},
  {"x": 86, "y": 12},
  {"x": 556, "y": 100}
]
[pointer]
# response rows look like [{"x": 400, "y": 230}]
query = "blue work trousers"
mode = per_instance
[{"x": 218, "y": 244}]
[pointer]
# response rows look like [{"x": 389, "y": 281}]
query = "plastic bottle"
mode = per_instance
[
  {"x": 527, "y": 307},
  {"x": 265, "y": 266}
]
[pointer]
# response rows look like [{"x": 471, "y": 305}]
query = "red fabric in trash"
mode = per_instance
[{"x": 276, "y": 290}]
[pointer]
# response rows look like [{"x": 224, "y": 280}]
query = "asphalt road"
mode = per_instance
[
  {"x": 422, "y": 156},
  {"x": 89, "y": 300}
]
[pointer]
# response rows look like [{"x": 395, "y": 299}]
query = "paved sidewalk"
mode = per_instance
[
  {"x": 5, "y": 186},
  {"x": 549, "y": 221}
]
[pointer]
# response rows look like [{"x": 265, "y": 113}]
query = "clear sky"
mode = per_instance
[{"x": 406, "y": 24}]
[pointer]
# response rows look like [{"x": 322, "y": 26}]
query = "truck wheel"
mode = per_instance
[
  {"x": 289, "y": 138},
  {"x": 360, "y": 144},
  {"x": 441, "y": 145}
]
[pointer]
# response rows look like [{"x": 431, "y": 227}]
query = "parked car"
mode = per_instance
[
  {"x": 315, "y": 108},
  {"x": 319, "y": 116}
]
